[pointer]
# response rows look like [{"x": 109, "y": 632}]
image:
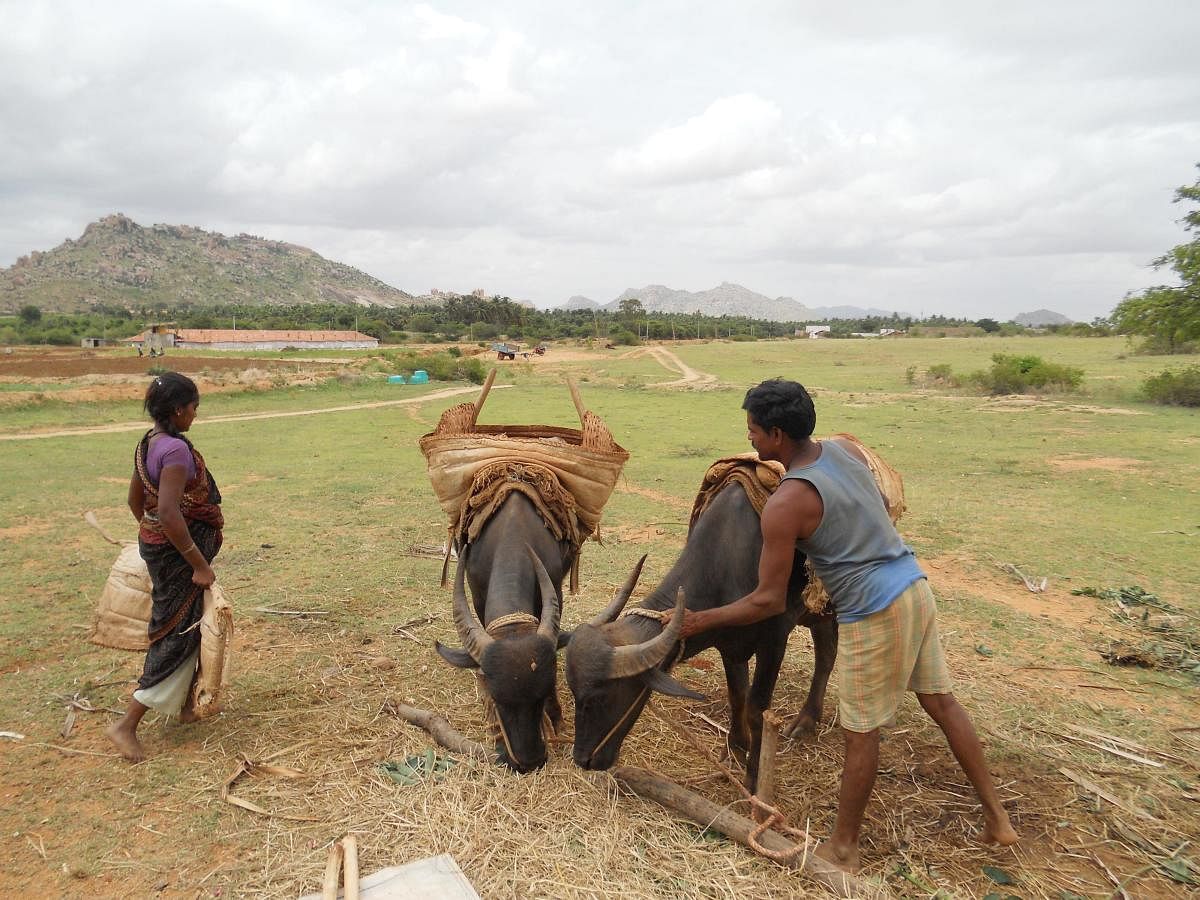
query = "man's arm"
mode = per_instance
[{"x": 784, "y": 520}]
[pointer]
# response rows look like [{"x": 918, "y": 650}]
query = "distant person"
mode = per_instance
[
  {"x": 178, "y": 508},
  {"x": 140, "y": 352},
  {"x": 829, "y": 506}
]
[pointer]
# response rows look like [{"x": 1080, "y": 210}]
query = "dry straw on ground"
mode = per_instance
[{"x": 563, "y": 832}]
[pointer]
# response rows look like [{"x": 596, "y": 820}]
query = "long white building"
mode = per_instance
[{"x": 252, "y": 339}]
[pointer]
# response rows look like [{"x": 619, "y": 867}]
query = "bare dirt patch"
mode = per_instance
[
  {"x": 628, "y": 487},
  {"x": 955, "y": 578},
  {"x": 1102, "y": 463}
]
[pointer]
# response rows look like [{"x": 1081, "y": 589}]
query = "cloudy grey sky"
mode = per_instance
[{"x": 980, "y": 158}]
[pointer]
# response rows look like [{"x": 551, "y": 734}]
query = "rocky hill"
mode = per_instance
[
  {"x": 119, "y": 262},
  {"x": 1040, "y": 317},
  {"x": 580, "y": 302}
]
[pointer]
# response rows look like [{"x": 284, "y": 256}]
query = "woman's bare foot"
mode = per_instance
[
  {"x": 189, "y": 714},
  {"x": 846, "y": 859},
  {"x": 126, "y": 742},
  {"x": 999, "y": 831}
]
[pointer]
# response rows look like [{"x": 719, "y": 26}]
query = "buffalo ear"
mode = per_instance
[
  {"x": 658, "y": 680},
  {"x": 456, "y": 656},
  {"x": 564, "y": 638}
]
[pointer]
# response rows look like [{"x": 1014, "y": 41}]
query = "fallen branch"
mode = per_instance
[
  {"x": 1124, "y": 754},
  {"x": 1034, "y": 585},
  {"x": 1088, "y": 785},
  {"x": 248, "y": 767},
  {"x": 290, "y": 612},
  {"x": 707, "y": 814},
  {"x": 439, "y": 729}
]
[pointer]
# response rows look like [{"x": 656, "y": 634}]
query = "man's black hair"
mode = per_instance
[
  {"x": 782, "y": 404},
  {"x": 167, "y": 393}
]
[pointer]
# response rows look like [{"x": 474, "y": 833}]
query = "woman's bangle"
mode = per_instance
[{"x": 187, "y": 549}]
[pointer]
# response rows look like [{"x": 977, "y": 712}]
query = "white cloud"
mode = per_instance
[
  {"x": 933, "y": 155},
  {"x": 733, "y": 135}
]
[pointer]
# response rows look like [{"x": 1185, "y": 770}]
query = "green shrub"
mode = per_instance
[
  {"x": 742, "y": 337},
  {"x": 941, "y": 374},
  {"x": 441, "y": 366},
  {"x": 1181, "y": 388},
  {"x": 624, "y": 336},
  {"x": 1020, "y": 374}
]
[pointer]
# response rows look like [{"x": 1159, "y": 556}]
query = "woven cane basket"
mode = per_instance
[{"x": 587, "y": 461}]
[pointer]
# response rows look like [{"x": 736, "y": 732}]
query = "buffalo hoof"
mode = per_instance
[{"x": 803, "y": 726}]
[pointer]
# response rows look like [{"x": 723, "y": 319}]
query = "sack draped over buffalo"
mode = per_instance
[{"x": 760, "y": 478}]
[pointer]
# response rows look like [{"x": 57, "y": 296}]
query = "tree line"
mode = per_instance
[{"x": 472, "y": 319}]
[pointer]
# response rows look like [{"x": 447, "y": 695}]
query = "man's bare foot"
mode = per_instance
[
  {"x": 126, "y": 742},
  {"x": 999, "y": 832},
  {"x": 845, "y": 859}
]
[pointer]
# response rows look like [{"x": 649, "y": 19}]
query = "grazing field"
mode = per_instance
[{"x": 330, "y": 560}]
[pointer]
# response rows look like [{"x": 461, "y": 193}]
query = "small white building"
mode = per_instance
[{"x": 815, "y": 331}]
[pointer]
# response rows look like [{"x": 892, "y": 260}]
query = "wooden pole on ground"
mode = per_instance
[
  {"x": 439, "y": 729},
  {"x": 707, "y": 814}
]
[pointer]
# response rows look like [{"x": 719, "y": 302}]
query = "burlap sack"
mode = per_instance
[
  {"x": 216, "y": 656},
  {"x": 891, "y": 485},
  {"x": 123, "y": 613}
]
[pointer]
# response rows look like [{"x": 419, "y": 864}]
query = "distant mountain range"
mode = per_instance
[
  {"x": 116, "y": 261},
  {"x": 727, "y": 299}
]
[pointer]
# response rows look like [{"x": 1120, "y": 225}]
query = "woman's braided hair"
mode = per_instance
[{"x": 167, "y": 393}]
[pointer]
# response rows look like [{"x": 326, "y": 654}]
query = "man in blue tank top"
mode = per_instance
[{"x": 830, "y": 507}]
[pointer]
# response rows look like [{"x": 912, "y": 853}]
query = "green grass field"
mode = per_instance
[{"x": 1094, "y": 489}]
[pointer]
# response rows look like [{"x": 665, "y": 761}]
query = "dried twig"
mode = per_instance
[{"x": 1033, "y": 584}]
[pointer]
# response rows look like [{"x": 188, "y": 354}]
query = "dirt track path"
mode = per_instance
[
  {"x": 691, "y": 378},
  {"x": 247, "y": 417}
]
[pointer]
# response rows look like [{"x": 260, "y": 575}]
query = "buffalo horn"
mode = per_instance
[
  {"x": 620, "y": 597},
  {"x": 475, "y": 640},
  {"x": 551, "y": 605},
  {"x": 639, "y": 658}
]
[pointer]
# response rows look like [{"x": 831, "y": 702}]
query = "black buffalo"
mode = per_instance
[
  {"x": 514, "y": 567},
  {"x": 612, "y": 664}
]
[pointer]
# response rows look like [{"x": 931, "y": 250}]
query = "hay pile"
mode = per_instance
[{"x": 564, "y": 832}]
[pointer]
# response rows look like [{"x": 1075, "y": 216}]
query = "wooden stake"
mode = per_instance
[
  {"x": 487, "y": 386},
  {"x": 350, "y": 872},
  {"x": 765, "y": 788},
  {"x": 329, "y": 887},
  {"x": 707, "y": 814}
]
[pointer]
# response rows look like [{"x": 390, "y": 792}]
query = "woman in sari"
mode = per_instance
[{"x": 178, "y": 507}]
